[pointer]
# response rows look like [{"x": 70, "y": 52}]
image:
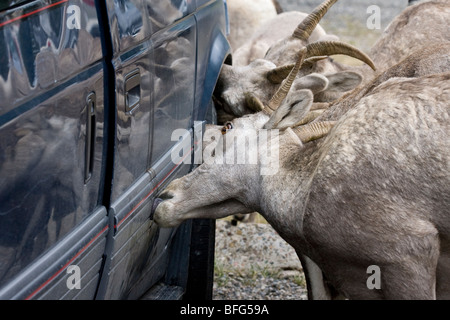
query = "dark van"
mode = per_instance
[{"x": 93, "y": 95}]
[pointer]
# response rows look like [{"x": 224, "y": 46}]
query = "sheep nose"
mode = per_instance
[{"x": 155, "y": 204}]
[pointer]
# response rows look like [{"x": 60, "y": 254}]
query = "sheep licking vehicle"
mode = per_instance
[{"x": 370, "y": 189}]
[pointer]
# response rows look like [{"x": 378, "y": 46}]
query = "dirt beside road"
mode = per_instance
[{"x": 252, "y": 262}]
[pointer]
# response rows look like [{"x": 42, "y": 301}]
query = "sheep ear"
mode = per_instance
[
  {"x": 277, "y": 115},
  {"x": 343, "y": 81},
  {"x": 292, "y": 110},
  {"x": 315, "y": 82}
]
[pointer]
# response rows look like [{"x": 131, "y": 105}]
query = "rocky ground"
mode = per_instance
[{"x": 252, "y": 262}]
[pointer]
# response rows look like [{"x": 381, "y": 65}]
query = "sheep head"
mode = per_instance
[{"x": 262, "y": 78}]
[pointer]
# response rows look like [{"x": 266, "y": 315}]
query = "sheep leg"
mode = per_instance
[{"x": 317, "y": 289}]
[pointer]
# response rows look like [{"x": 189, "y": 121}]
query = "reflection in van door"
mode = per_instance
[
  {"x": 153, "y": 59},
  {"x": 51, "y": 127}
]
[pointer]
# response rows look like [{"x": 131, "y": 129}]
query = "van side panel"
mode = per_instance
[
  {"x": 154, "y": 41},
  {"x": 51, "y": 146}
]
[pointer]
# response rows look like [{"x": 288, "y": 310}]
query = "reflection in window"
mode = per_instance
[{"x": 164, "y": 12}]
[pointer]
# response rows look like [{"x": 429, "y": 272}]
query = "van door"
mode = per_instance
[
  {"x": 153, "y": 43},
  {"x": 53, "y": 225}
]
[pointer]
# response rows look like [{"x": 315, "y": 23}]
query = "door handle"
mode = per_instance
[
  {"x": 132, "y": 90},
  {"x": 90, "y": 136}
]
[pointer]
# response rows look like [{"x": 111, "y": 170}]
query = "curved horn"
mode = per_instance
[
  {"x": 309, "y": 117},
  {"x": 328, "y": 48},
  {"x": 307, "y": 26},
  {"x": 313, "y": 60},
  {"x": 278, "y": 74},
  {"x": 318, "y": 51},
  {"x": 314, "y": 130},
  {"x": 320, "y": 105},
  {"x": 283, "y": 90}
]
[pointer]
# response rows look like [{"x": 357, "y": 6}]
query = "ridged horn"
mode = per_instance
[
  {"x": 328, "y": 48},
  {"x": 309, "y": 117},
  {"x": 313, "y": 131},
  {"x": 278, "y": 74},
  {"x": 318, "y": 51},
  {"x": 312, "y": 60},
  {"x": 307, "y": 26},
  {"x": 285, "y": 86},
  {"x": 320, "y": 105}
]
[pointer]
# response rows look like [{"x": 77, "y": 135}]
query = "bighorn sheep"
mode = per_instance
[
  {"x": 417, "y": 26},
  {"x": 246, "y": 16},
  {"x": 263, "y": 76},
  {"x": 362, "y": 195},
  {"x": 425, "y": 61},
  {"x": 373, "y": 192},
  {"x": 279, "y": 27},
  {"x": 408, "y": 32},
  {"x": 399, "y": 138}
]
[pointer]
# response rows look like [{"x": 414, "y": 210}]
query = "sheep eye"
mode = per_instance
[{"x": 226, "y": 127}]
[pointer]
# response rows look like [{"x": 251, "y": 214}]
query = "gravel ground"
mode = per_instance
[
  {"x": 252, "y": 261},
  {"x": 261, "y": 288}
]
